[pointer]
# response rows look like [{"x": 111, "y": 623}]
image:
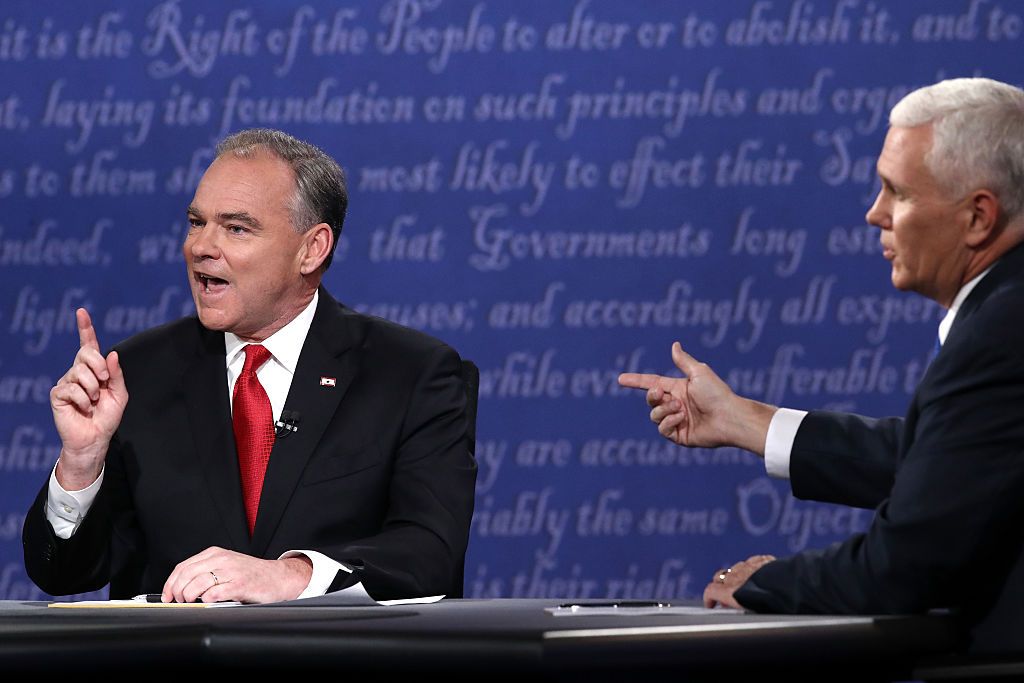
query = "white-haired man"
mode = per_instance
[{"x": 945, "y": 480}]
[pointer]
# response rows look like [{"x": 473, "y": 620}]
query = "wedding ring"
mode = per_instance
[
  {"x": 722, "y": 574},
  {"x": 216, "y": 582}
]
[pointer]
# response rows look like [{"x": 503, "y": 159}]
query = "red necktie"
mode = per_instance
[{"x": 253, "y": 422}]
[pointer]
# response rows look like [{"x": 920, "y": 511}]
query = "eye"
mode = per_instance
[
  {"x": 194, "y": 222},
  {"x": 890, "y": 189},
  {"x": 236, "y": 229}
]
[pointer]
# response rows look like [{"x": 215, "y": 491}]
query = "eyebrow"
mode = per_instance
[{"x": 236, "y": 216}]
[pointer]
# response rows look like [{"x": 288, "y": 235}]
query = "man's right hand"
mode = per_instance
[
  {"x": 700, "y": 409},
  {"x": 87, "y": 403}
]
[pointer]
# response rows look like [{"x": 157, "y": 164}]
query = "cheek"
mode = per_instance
[{"x": 907, "y": 229}]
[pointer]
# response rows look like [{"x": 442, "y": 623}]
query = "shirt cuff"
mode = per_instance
[
  {"x": 65, "y": 510},
  {"x": 779, "y": 445},
  {"x": 324, "y": 571}
]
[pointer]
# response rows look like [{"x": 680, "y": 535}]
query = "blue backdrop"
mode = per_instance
[{"x": 559, "y": 189}]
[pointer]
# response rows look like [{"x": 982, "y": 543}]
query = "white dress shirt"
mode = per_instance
[
  {"x": 784, "y": 425},
  {"x": 65, "y": 510}
]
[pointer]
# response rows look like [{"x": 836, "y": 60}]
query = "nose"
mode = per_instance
[
  {"x": 201, "y": 243},
  {"x": 879, "y": 215}
]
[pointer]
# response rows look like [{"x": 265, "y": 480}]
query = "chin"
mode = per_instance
[
  {"x": 211, "y": 320},
  {"x": 899, "y": 281}
]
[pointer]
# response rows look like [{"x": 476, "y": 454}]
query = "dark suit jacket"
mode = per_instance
[
  {"x": 378, "y": 476},
  {"x": 947, "y": 481}
]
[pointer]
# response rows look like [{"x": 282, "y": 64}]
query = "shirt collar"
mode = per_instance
[
  {"x": 958, "y": 300},
  {"x": 285, "y": 344}
]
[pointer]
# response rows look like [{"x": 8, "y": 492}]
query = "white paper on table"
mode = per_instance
[
  {"x": 426, "y": 600},
  {"x": 353, "y": 596},
  {"x": 141, "y": 604}
]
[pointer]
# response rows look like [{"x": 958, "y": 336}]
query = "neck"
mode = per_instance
[
  {"x": 1006, "y": 240},
  {"x": 289, "y": 314}
]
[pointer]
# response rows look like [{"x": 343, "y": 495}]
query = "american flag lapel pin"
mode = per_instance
[{"x": 328, "y": 382}]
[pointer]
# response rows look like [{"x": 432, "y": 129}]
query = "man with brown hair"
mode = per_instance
[{"x": 277, "y": 444}]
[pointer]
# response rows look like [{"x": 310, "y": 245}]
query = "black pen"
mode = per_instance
[{"x": 156, "y": 597}]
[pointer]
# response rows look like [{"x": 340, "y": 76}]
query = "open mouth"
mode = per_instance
[{"x": 211, "y": 284}]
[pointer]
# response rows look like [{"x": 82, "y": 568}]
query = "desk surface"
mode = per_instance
[{"x": 491, "y": 638}]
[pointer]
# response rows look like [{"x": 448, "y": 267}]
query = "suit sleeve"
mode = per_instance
[
  {"x": 955, "y": 508},
  {"x": 99, "y": 548},
  {"x": 845, "y": 459},
  {"x": 422, "y": 543}
]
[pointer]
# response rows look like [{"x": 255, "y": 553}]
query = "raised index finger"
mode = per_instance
[
  {"x": 638, "y": 380},
  {"x": 86, "y": 332}
]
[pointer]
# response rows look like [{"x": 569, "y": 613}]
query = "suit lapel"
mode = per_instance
[
  {"x": 209, "y": 410},
  {"x": 326, "y": 353},
  {"x": 1009, "y": 267}
]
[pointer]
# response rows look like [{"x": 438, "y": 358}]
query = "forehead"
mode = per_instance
[
  {"x": 902, "y": 155},
  {"x": 261, "y": 183}
]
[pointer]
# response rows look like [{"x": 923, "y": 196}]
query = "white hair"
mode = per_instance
[{"x": 978, "y": 136}]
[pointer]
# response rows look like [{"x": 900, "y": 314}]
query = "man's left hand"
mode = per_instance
[
  {"x": 216, "y": 575},
  {"x": 725, "y": 582}
]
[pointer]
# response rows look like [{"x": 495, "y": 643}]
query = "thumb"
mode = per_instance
[
  {"x": 684, "y": 361},
  {"x": 116, "y": 381}
]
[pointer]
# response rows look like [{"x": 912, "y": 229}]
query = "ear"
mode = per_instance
[
  {"x": 984, "y": 210},
  {"x": 318, "y": 241}
]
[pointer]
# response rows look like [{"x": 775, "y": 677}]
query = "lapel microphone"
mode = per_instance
[{"x": 288, "y": 423}]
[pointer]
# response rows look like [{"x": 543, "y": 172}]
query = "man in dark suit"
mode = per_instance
[
  {"x": 276, "y": 445},
  {"x": 946, "y": 481}
]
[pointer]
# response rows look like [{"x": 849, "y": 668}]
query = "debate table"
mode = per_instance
[{"x": 485, "y": 640}]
